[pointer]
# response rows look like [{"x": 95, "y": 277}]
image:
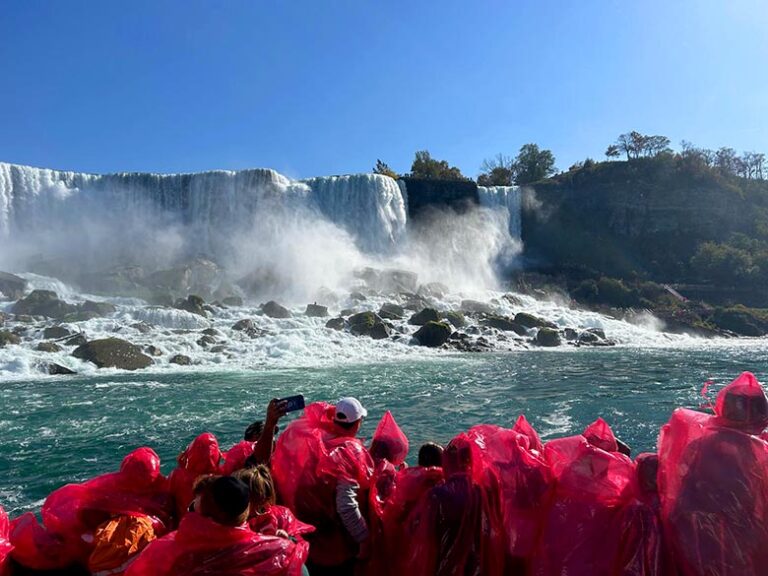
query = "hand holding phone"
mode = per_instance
[{"x": 293, "y": 403}]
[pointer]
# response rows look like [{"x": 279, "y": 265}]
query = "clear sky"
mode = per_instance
[{"x": 317, "y": 87}]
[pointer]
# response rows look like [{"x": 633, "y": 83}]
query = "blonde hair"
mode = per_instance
[{"x": 259, "y": 479}]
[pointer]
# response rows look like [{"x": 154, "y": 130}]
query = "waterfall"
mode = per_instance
[{"x": 508, "y": 198}]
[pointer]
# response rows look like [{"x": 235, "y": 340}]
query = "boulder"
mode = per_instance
[
  {"x": 206, "y": 341},
  {"x": 56, "y": 332},
  {"x": 505, "y": 324},
  {"x": 59, "y": 370},
  {"x": 475, "y": 307},
  {"x": 391, "y": 311},
  {"x": 368, "y": 324},
  {"x": 232, "y": 301},
  {"x": 426, "y": 315},
  {"x": 192, "y": 303},
  {"x": 98, "y": 308},
  {"x": 76, "y": 340},
  {"x": 358, "y": 297},
  {"x": 50, "y": 347},
  {"x": 244, "y": 325},
  {"x": 7, "y": 338},
  {"x": 456, "y": 319},
  {"x": 12, "y": 286},
  {"x": 43, "y": 303},
  {"x": 336, "y": 323},
  {"x": 153, "y": 350},
  {"x": 531, "y": 321},
  {"x": 80, "y": 316},
  {"x": 599, "y": 332},
  {"x": 142, "y": 327},
  {"x": 348, "y": 312},
  {"x": 211, "y": 332},
  {"x": 275, "y": 310},
  {"x": 571, "y": 334},
  {"x": 588, "y": 337},
  {"x": 380, "y": 331},
  {"x": 181, "y": 360},
  {"x": 316, "y": 310},
  {"x": 513, "y": 299},
  {"x": 548, "y": 337},
  {"x": 433, "y": 334},
  {"x": 113, "y": 353}
]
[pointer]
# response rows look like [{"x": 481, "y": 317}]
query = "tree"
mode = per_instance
[
  {"x": 498, "y": 171},
  {"x": 384, "y": 169},
  {"x": 636, "y": 145},
  {"x": 613, "y": 151},
  {"x": 426, "y": 167},
  {"x": 725, "y": 161},
  {"x": 533, "y": 164}
]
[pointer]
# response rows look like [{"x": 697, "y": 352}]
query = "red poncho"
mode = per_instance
[
  {"x": 72, "y": 513},
  {"x": 201, "y": 457},
  {"x": 5, "y": 543},
  {"x": 201, "y": 547},
  {"x": 591, "y": 486},
  {"x": 279, "y": 518},
  {"x": 311, "y": 457},
  {"x": 713, "y": 483},
  {"x": 235, "y": 457}
]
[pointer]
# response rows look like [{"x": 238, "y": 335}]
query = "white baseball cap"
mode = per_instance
[{"x": 349, "y": 410}]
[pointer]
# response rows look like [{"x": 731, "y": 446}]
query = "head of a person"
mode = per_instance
[
  {"x": 743, "y": 405},
  {"x": 600, "y": 435},
  {"x": 348, "y": 416},
  {"x": 261, "y": 485},
  {"x": 457, "y": 457},
  {"x": 430, "y": 454},
  {"x": 202, "y": 455},
  {"x": 225, "y": 500},
  {"x": 381, "y": 449},
  {"x": 254, "y": 430},
  {"x": 647, "y": 467},
  {"x": 141, "y": 468}
]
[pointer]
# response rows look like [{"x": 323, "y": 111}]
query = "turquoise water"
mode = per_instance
[{"x": 62, "y": 430}]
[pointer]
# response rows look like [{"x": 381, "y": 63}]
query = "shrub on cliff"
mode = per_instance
[{"x": 426, "y": 167}]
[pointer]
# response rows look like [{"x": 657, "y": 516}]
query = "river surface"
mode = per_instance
[{"x": 59, "y": 430}]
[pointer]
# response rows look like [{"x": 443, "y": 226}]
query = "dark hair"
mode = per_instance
[
  {"x": 431, "y": 454},
  {"x": 253, "y": 431},
  {"x": 226, "y": 500}
]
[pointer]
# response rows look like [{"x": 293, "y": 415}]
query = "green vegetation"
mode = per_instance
[
  {"x": 530, "y": 165},
  {"x": 384, "y": 169},
  {"x": 428, "y": 168}
]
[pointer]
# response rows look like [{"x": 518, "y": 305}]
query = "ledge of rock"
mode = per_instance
[{"x": 113, "y": 353}]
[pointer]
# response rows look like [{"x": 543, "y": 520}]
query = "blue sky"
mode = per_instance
[{"x": 316, "y": 87}]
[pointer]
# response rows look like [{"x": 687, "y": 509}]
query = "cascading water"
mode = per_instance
[{"x": 508, "y": 198}]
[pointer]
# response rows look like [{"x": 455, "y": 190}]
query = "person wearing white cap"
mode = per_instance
[{"x": 349, "y": 415}]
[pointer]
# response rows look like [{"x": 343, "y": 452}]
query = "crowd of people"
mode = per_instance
[{"x": 494, "y": 501}]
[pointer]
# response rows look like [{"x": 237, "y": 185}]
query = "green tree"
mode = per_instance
[
  {"x": 533, "y": 164},
  {"x": 384, "y": 169},
  {"x": 498, "y": 171},
  {"x": 428, "y": 168}
]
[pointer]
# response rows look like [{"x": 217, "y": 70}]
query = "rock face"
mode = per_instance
[
  {"x": 11, "y": 286},
  {"x": 113, "y": 353},
  {"x": 43, "y": 303},
  {"x": 316, "y": 311},
  {"x": 433, "y": 334},
  {"x": 424, "y": 195},
  {"x": 505, "y": 324},
  {"x": 740, "y": 320},
  {"x": 7, "y": 337},
  {"x": 275, "y": 310},
  {"x": 426, "y": 315},
  {"x": 56, "y": 332},
  {"x": 531, "y": 321},
  {"x": 547, "y": 337}
]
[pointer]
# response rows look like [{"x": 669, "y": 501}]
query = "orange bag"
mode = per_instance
[{"x": 117, "y": 541}]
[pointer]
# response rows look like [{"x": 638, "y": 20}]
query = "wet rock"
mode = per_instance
[
  {"x": 113, "y": 353},
  {"x": 512, "y": 299},
  {"x": 433, "y": 334},
  {"x": 336, "y": 324},
  {"x": 531, "y": 321},
  {"x": 244, "y": 325},
  {"x": 432, "y": 290},
  {"x": 275, "y": 310},
  {"x": 475, "y": 307},
  {"x": 380, "y": 331},
  {"x": 368, "y": 324},
  {"x": 316, "y": 310},
  {"x": 426, "y": 315},
  {"x": 571, "y": 334},
  {"x": 358, "y": 297},
  {"x": 98, "y": 308},
  {"x": 348, "y": 312},
  {"x": 80, "y": 316},
  {"x": 505, "y": 324},
  {"x": 211, "y": 332},
  {"x": 50, "y": 347},
  {"x": 599, "y": 332},
  {"x": 142, "y": 327},
  {"x": 76, "y": 340},
  {"x": 232, "y": 301},
  {"x": 192, "y": 303},
  {"x": 456, "y": 319},
  {"x": 206, "y": 341},
  {"x": 548, "y": 337},
  {"x": 218, "y": 349},
  {"x": 7, "y": 338},
  {"x": 12, "y": 286},
  {"x": 153, "y": 350},
  {"x": 588, "y": 338},
  {"x": 56, "y": 332},
  {"x": 391, "y": 311},
  {"x": 24, "y": 318},
  {"x": 181, "y": 360},
  {"x": 43, "y": 303},
  {"x": 59, "y": 370}
]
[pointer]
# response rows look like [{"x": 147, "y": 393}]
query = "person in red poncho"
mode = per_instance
[
  {"x": 216, "y": 541},
  {"x": 73, "y": 514},
  {"x": 201, "y": 457},
  {"x": 5, "y": 544},
  {"x": 322, "y": 472},
  {"x": 258, "y": 443},
  {"x": 714, "y": 484}
]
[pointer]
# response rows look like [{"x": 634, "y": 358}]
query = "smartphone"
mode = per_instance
[{"x": 293, "y": 403}]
